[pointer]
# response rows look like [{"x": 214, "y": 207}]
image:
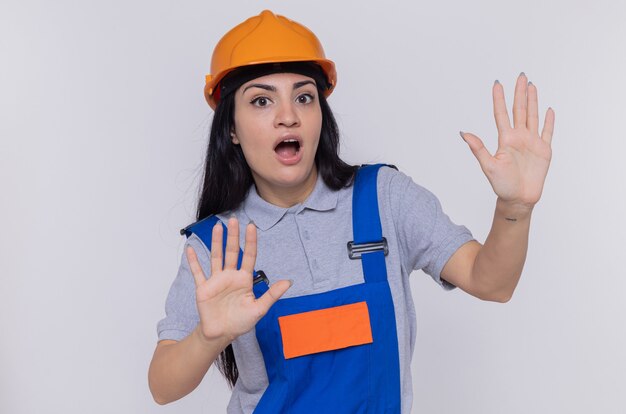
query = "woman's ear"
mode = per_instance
[{"x": 233, "y": 137}]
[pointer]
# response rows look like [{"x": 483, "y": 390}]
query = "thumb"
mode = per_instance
[
  {"x": 272, "y": 295},
  {"x": 478, "y": 149}
]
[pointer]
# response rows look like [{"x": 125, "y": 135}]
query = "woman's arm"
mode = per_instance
[
  {"x": 178, "y": 367},
  {"x": 491, "y": 271},
  {"x": 517, "y": 173},
  {"x": 227, "y": 308}
]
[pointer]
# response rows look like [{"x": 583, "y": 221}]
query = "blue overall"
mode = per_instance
[{"x": 362, "y": 378}]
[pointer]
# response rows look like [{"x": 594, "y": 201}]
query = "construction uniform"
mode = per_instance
[{"x": 366, "y": 366}]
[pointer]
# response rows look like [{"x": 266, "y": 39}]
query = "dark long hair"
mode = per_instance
[{"x": 227, "y": 176}]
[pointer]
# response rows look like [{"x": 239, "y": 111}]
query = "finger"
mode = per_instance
[
  {"x": 232, "y": 244},
  {"x": 533, "y": 112},
  {"x": 478, "y": 149},
  {"x": 196, "y": 269},
  {"x": 216, "y": 248},
  {"x": 519, "y": 102},
  {"x": 503, "y": 123},
  {"x": 272, "y": 295},
  {"x": 548, "y": 126},
  {"x": 249, "y": 250}
]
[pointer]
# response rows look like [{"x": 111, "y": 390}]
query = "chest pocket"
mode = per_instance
[{"x": 325, "y": 329}]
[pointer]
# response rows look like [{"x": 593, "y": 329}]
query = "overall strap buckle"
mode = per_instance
[
  {"x": 260, "y": 283},
  {"x": 356, "y": 250},
  {"x": 260, "y": 277}
]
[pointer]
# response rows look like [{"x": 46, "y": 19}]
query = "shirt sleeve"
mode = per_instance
[
  {"x": 180, "y": 306},
  {"x": 427, "y": 236}
]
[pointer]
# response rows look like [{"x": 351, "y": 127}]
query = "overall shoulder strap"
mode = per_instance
[
  {"x": 369, "y": 245},
  {"x": 204, "y": 230},
  {"x": 201, "y": 228}
]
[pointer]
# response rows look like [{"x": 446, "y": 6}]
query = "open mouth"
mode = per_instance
[{"x": 287, "y": 148}]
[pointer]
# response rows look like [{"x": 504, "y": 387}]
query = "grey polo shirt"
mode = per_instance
[{"x": 307, "y": 243}]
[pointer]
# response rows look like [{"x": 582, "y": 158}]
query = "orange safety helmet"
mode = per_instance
[{"x": 266, "y": 38}]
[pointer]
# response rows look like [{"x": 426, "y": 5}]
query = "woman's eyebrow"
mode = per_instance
[
  {"x": 273, "y": 88},
  {"x": 260, "y": 85},
  {"x": 302, "y": 83}
]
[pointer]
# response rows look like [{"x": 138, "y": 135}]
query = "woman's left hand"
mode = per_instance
[{"x": 519, "y": 167}]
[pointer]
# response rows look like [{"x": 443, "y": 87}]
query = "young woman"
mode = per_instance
[{"x": 315, "y": 314}]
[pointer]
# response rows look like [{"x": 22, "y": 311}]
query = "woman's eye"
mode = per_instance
[
  {"x": 260, "y": 101},
  {"x": 305, "y": 98}
]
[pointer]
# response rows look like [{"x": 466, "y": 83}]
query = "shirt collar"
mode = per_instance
[{"x": 265, "y": 215}]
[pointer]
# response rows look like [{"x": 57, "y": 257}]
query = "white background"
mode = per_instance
[{"x": 103, "y": 130}]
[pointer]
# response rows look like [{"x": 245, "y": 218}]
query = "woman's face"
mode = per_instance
[{"x": 278, "y": 121}]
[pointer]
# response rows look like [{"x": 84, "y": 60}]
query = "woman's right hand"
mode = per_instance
[{"x": 226, "y": 303}]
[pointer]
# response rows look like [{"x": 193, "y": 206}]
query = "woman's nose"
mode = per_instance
[{"x": 287, "y": 116}]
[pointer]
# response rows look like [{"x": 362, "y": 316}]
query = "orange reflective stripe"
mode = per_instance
[{"x": 325, "y": 329}]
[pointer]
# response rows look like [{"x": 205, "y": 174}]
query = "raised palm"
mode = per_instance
[
  {"x": 519, "y": 167},
  {"x": 226, "y": 303}
]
